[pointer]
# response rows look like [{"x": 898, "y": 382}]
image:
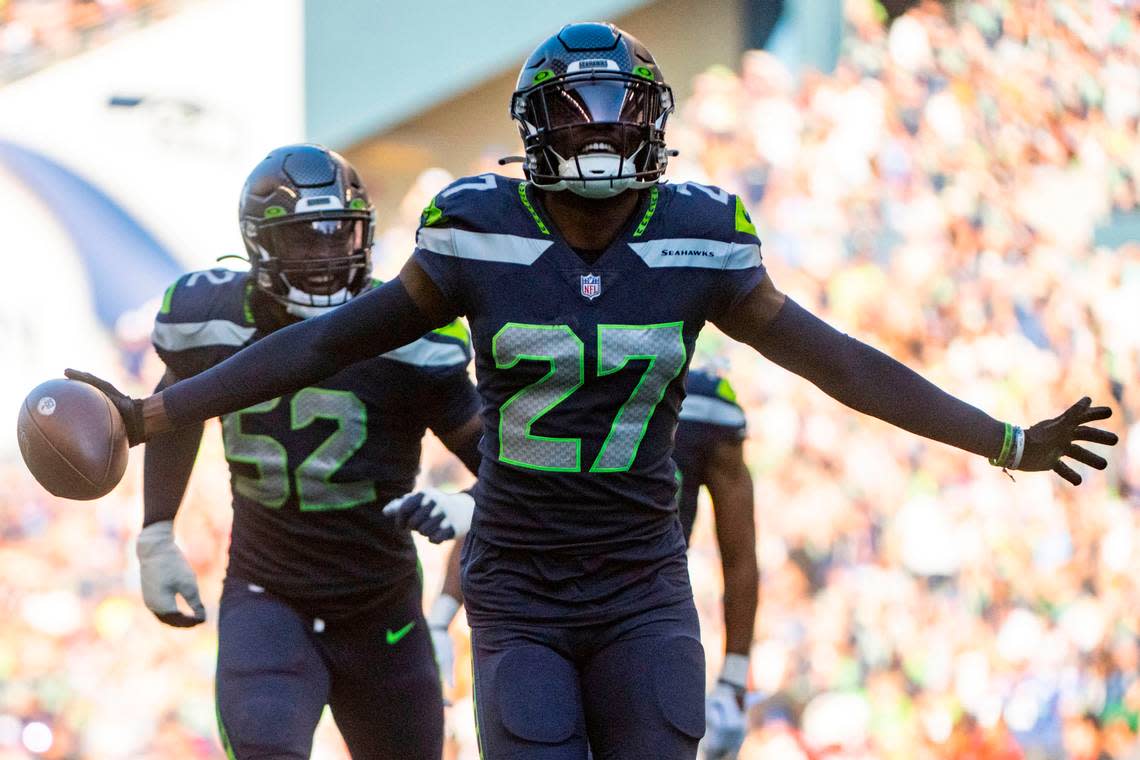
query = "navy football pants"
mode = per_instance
[
  {"x": 628, "y": 689},
  {"x": 277, "y": 669}
]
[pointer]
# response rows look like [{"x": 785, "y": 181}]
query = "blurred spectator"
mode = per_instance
[{"x": 34, "y": 33}]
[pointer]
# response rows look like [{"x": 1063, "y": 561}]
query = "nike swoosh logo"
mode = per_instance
[{"x": 395, "y": 636}]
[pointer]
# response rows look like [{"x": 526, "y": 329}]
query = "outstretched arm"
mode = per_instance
[
  {"x": 871, "y": 382},
  {"x": 292, "y": 358}
]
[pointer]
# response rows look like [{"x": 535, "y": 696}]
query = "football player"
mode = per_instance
[
  {"x": 585, "y": 287},
  {"x": 709, "y": 451},
  {"x": 321, "y": 601}
]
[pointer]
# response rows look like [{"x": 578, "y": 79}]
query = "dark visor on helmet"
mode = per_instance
[
  {"x": 318, "y": 256},
  {"x": 302, "y": 240},
  {"x": 591, "y": 101},
  {"x": 571, "y": 115}
]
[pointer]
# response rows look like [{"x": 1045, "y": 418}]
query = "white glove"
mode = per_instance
[
  {"x": 725, "y": 722},
  {"x": 164, "y": 573},
  {"x": 444, "y": 655},
  {"x": 437, "y": 515},
  {"x": 438, "y": 619}
]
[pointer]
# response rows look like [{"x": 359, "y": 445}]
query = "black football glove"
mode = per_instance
[
  {"x": 1048, "y": 441},
  {"x": 130, "y": 409}
]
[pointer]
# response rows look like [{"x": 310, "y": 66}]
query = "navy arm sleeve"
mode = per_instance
[
  {"x": 467, "y": 452},
  {"x": 454, "y": 401},
  {"x": 871, "y": 382},
  {"x": 301, "y": 355},
  {"x": 450, "y": 402},
  {"x": 167, "y": 464}
]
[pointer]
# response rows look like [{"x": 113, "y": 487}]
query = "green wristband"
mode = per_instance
[{"x": 1006, "y": 443}]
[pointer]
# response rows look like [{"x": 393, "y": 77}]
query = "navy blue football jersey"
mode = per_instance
[
  {"x": 311, "y": 471},
  {"x": 709, "y": 416},
  {"x": 581, "y": 366}
]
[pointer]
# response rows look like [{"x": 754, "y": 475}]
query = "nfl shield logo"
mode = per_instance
[{"x": 591, "y": 285}]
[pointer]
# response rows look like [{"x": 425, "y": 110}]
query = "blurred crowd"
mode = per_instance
[
  {"x": 938, "y": 196},
  {"x": 34, "y": 33}
]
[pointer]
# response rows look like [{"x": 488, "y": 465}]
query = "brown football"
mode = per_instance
[{"x": 72, "y": 439}]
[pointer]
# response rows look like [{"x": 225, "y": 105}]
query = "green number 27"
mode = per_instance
[
  {"x": 315, "y": 491},
  {"x": 661, "y": 345}
]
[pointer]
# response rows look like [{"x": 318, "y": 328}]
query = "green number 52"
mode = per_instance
[{"x": 313, "y": 476}]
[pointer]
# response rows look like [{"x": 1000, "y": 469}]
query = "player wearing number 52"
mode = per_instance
[
  {"x": 586, "y": 287},
  {"x": 322, "y": 598}
]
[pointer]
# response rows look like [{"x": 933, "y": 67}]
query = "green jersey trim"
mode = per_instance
[
  {"x": 725, "y": 390},
  {"x": 456, "y": 330},
  {"x": 167, "y": 297},
  {"x": 649, "y": 211},
  {"x": 530, "y": 209},
  {"x": 429, "y": 353},
  {"x": 743, "y": 222}
]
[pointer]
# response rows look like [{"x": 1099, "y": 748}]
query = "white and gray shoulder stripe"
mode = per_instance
[
  {"x": 429, "y": 353},
  {"x": 713, "y": 411},
  {"x": 482, "y": 246},
  {"x": 181, "y": 336},
  {"x": 700, "y": 253}
]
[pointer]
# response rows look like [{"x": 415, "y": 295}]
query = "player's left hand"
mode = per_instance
[
  {"x": 725, "y": 724},
  {"x": 165, "y": 573},
  {"x": 1049, "y": 440},
  {"x": 439, "y": 516}
]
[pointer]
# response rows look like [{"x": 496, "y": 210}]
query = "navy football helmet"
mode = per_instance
[
  {"x": 591, "y": 105},
  {"x": 307, "y": 224}
]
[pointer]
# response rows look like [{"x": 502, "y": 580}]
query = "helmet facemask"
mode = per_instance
[
  {"x": 307, "y": 225},
  {"x": 313, "y": 263},
  {"x": 596, "y": 133}
]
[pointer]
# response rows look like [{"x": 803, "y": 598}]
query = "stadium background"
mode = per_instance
[{"x": 957, "y": 188}]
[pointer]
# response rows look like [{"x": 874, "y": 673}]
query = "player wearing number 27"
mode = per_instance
[
  {"x": 585, "y": 287},
  {"x": 321, "y": 602}
]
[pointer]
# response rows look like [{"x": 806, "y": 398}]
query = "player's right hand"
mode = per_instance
[
  {"x": 439, "y": 516},
  {"x": 165, "y": 573},
  {"x": 1049, "y": 440},
  {"x": 130, "y": 409}
]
